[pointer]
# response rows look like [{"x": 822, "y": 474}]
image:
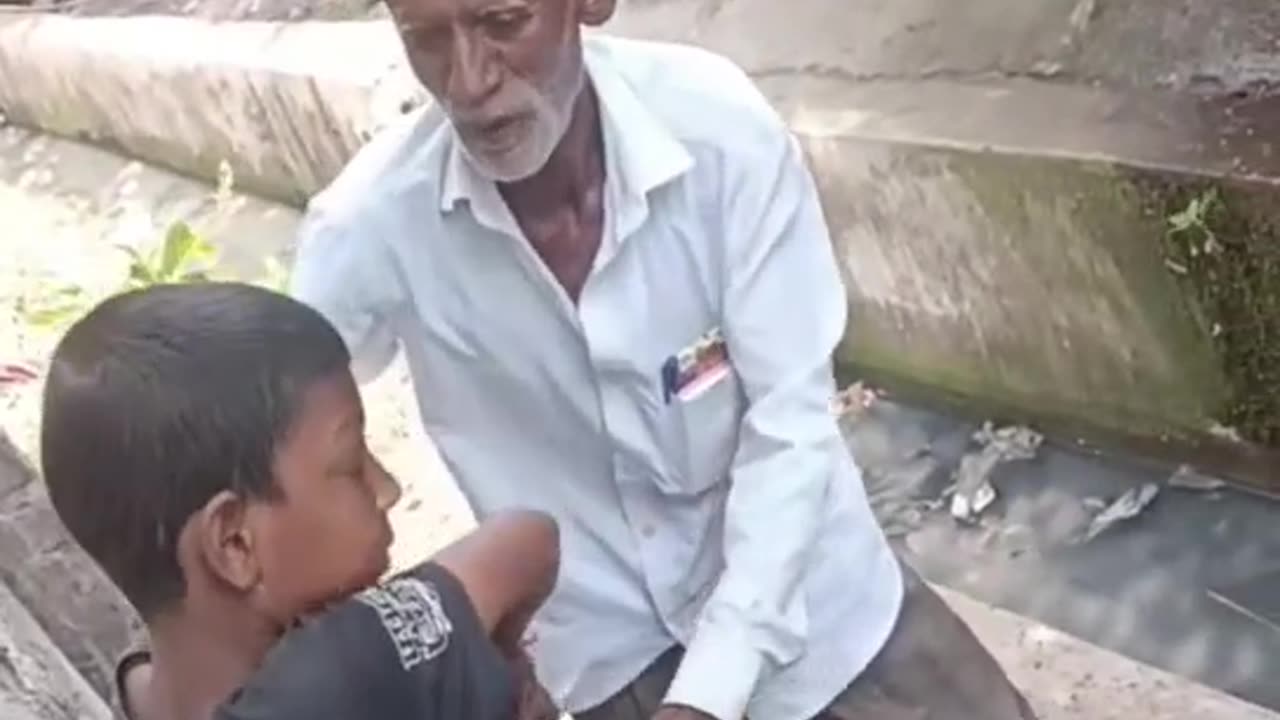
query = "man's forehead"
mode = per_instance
[{"x": 411, "y": 11}]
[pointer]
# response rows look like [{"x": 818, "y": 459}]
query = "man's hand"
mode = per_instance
[{"x": 680, "y": 712}]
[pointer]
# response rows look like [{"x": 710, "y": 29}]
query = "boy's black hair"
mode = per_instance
[{"x": 159, "y": 399}]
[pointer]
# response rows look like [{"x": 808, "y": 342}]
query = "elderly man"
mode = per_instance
[{"x": 607, "y": 265}]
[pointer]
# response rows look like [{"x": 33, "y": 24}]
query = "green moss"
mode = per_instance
[
  {"x": 1081, "y": 318},
  {"x": 1228, "y": 261}
]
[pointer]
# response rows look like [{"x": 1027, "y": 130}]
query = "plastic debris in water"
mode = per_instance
[
  {"x": 1126, "y": 507},
  {"x": 1228, "y": 434},
  {"x": 1187, "y": 478},
  {"x": 974, "y": 492}
]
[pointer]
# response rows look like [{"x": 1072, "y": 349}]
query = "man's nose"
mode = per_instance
[{"x": 474, "y": 73}]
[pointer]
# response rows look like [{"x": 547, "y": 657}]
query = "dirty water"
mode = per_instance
[{"x": 1151, "y": 586}]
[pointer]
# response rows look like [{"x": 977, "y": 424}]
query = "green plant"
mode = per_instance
[
  {"x": 1223, "y": 244},
  {"x": 184, "y": 256},
  {"x": 277, "y": 278},
  {"x": 1192, "y": 223}
]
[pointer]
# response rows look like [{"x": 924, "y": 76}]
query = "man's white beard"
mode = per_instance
[{"x": 551, "y": 113}]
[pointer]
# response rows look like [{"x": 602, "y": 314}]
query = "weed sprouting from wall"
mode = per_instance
[{"x": 1226, "y": 250}]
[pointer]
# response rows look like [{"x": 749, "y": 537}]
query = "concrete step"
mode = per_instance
[
  {"x": 36, "y": 681},
  {"x": 73, "y": 605}
]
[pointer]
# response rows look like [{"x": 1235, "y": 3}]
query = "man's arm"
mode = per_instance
[
  {"x": 784, "y": 313},
  {"x": 347, "y": 276}
]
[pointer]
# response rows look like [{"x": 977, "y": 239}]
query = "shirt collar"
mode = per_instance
[{"x": 641, "y": 154}]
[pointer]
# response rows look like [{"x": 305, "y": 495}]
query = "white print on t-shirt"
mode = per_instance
[{"x": 411, "y": 611}]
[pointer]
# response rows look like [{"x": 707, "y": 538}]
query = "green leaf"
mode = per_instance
[
  {"x": 178, "y": 242},
  {"x": 1181, "y": 221},
  {"x": 135, "y": 256},
  {"x": 140, "y": 275},
  {"x": 277, "y": 278},
  {"x": 53, "y": 315}
]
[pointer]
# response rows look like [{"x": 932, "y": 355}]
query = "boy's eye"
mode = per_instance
[{"x": 351, "y": 465}]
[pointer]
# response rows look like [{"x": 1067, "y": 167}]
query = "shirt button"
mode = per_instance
[{"x": 647, "y": 531}]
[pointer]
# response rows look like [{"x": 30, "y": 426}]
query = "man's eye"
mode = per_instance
[{"x": 505, "y": 23}]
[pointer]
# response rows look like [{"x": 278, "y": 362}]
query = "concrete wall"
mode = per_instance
[
  {"x": 1028, "y": 282},
  {"x": 1224, "y": 44},
  {"x": 995, "y": 243},
  {"x": 285, "y": 104}
]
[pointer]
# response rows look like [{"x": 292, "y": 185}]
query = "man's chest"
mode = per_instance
[
  {"x": 497, "y": 345},
  {"x": 498, "y": 304}
]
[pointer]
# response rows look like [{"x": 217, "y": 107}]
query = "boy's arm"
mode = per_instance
[
  {"x": 508, "y": 567},
  {"x": 421, "y": 642}
]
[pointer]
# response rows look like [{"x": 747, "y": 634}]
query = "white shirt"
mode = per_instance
[{"x": 732, "y": 521}]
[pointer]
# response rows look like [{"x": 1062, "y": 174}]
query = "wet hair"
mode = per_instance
[{"x": 159, "y": 399}]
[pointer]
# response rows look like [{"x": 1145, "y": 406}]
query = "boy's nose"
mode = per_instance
[{"x": 386, "y": 489}]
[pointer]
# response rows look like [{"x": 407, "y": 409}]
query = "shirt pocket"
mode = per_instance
[{"x": 705, "y": 439}]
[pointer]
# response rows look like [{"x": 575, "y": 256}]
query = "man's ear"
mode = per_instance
[
  {"x": 595, "y": 13},
  {"x": 227, "y": 543}
]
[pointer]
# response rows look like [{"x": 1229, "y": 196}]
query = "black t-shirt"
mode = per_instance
[{"x": 410, "y": 648}]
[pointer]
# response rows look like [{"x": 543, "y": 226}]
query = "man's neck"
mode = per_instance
[
  {"x": 574, "y": 170},
  {"x": 200, "y": 659}
]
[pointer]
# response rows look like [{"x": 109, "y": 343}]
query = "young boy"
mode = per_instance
[{"x": 205, "y": 445}]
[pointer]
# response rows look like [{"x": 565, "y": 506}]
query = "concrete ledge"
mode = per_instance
[
  {"x": 1066, "y": 677},
  {"x": 1222, "y": 46},
  {"x": 285, "y": 104}
]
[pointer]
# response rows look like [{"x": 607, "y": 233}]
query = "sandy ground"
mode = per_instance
[{"x": 65, "y": 207}]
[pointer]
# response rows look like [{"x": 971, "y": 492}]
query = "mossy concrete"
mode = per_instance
[
  {"x": 1024, "y": 281},
  {"x": 1228, "y": 265}
]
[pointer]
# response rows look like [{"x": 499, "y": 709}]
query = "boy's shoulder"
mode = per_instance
[{"x": 409, "y": 648}]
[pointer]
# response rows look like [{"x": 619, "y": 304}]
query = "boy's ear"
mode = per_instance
[
  {"x": 595, "y": 13},
  {"x": 227, "y": 543}
]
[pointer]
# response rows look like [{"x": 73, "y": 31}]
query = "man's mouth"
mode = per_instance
[{"x": 501, "y": 133}]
